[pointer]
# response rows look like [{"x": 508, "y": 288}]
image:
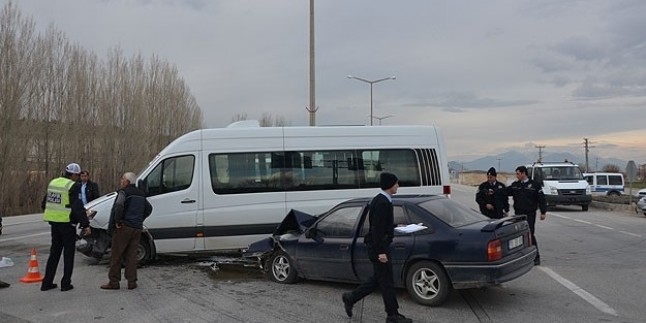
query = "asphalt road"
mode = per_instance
[{"x": 591, "y": 272}]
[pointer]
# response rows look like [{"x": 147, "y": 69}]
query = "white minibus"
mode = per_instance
[{"x": 221, "y": 189}]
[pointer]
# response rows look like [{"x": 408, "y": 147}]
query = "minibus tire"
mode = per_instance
[{"x": 144, "y": 252}]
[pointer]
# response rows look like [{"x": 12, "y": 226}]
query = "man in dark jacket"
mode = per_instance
[
  {"x": 491, "y": 204},
  {"x": 129, "y": 211},
  {"x": 89, "y": 189},
  {"x": 528, "y": 196},
  {"x": 379, "y": 237}
]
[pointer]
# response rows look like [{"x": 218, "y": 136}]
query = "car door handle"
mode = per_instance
[
  {"x": 344, "y": 247},
  {"x": 399, "y": 245},
  {"x": 187, "y": 201}
]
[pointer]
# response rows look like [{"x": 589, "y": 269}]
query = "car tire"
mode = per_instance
[
  {"x": 281, "y": 268},
  {"x": 427, "y": 283},
  {"x": 613, "y": 193},
  {"x": 585, "y": 207}
]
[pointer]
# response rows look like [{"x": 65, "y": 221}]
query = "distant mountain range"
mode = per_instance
[{"x": 508, "y": 161}]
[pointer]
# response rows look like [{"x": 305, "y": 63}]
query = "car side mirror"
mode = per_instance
[{"x": 313, "y": 233}]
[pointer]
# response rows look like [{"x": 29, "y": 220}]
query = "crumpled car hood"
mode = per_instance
[
  {"x": 295, "y": 220},
  {"x": 295, "y": 223}
]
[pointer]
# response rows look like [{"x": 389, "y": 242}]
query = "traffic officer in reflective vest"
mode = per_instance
[{"x": 63, "y": 210}]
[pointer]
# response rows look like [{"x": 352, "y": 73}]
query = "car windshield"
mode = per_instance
[
  {"x": 452, "y": 213},
  {"x": 560, "y": 173}
]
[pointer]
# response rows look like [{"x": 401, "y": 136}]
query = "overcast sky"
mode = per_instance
[{"x": 493, "y": 75}]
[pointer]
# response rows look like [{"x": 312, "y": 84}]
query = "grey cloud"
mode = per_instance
[
  {"x": 583, "y": 48},
  {"x": 458, "y": 101},
  {"x": 560, "y": 81},
  {"x": 595, "y": 88},
  {"x": 551, "y": 62}
]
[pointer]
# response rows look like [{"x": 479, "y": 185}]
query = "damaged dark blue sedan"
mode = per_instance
[{"x": 458, "y": 248}]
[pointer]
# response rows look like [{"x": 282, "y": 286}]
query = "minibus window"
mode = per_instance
[{"x": 171, "y": 175}]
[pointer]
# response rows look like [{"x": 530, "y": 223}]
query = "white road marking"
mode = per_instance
[
  {"x": 23, "y": 237},
  {"x": 597, "y": 303},
  {"x": 604, "y": 227},
  {"x": 25, "y": 222},
  {"x": 559, "y": 216},
  {"x": 598, "y": 225},
  {"x": 631, "y": 234}
]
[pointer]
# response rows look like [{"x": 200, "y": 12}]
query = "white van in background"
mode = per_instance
[
  {"x": 606, "y": 183},
  {"x": 563, "y": 183},
  {"x": 221, "y": 189}
]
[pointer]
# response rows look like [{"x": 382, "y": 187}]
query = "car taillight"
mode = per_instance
[
  {"x": 529, "y": 239},
  {"x": 494, "y": 250},
  {"x": 446, "y": 190}
]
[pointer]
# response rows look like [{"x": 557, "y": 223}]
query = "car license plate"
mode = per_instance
[{"x": 515, "y": 242}]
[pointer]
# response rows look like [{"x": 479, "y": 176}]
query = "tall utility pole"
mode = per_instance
[
  {"x": 540, "y": 152},
  {"x": 499, "y": 159},
  {"x": 587, "y": 150},
  {"x": 312, "y": 108}
]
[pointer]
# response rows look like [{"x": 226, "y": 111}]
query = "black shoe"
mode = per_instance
[
  {"x": 398, "y": 318},
  {"x": 347, "y": 303},
  {"x": 537, "y": 261},
  {"x": 3, "y": 284},
  {"x": 66, "y": 288},
  {"x": 45, "y": 287}
]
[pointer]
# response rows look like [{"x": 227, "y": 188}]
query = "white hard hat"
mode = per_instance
[{"x": 73, "y": 168}]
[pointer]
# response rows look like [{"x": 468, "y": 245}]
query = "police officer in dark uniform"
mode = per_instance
[
  {"x": 378, "y": 239},
  {"x": 63, "y": 210},
  {"x": 491, "y": 203},
  {"x": 528, "y": 196}
]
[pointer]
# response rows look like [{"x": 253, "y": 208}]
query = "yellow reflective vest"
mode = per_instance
[{"x": 57, "y": 206}]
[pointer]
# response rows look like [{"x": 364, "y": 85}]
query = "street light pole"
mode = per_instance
[
  {"x": 382, "y": 118},
  {"x": 371, "y": 83}
]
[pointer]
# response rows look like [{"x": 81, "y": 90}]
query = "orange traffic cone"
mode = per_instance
[{"x": 33, "y": 275}]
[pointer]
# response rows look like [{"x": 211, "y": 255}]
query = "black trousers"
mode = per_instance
[
  {"x": 382, "y": 279},
  {"x": 63, "y": 241},
  {"x": 531, "y": 220}
]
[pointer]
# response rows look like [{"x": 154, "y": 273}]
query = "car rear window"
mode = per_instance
[{"x": 452, "y": 213}]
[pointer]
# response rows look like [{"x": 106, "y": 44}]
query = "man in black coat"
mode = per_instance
[
  {"x": 491, "y": 202},
  {"x": 378, "y": 239},
  {"x": 89, "y": 189},
  {"x": 528, "y": 196}
]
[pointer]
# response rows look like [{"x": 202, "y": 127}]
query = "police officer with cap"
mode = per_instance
[
  {"x": 492, "y": 204},
  {"x": 528, "y": 197},
  {"x": 378, "y": 239},
  {"x": 63, "y": 210}
]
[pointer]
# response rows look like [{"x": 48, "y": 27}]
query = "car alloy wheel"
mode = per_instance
[
  {"x": 282, "y": 269},
  {"x": 427, "y": 283}
]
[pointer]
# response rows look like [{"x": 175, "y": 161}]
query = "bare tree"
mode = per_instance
[
  {"x": 610, "y": 168},
  {"x": 239, "y": 117},
  {"x": 60, "y": 103}
]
